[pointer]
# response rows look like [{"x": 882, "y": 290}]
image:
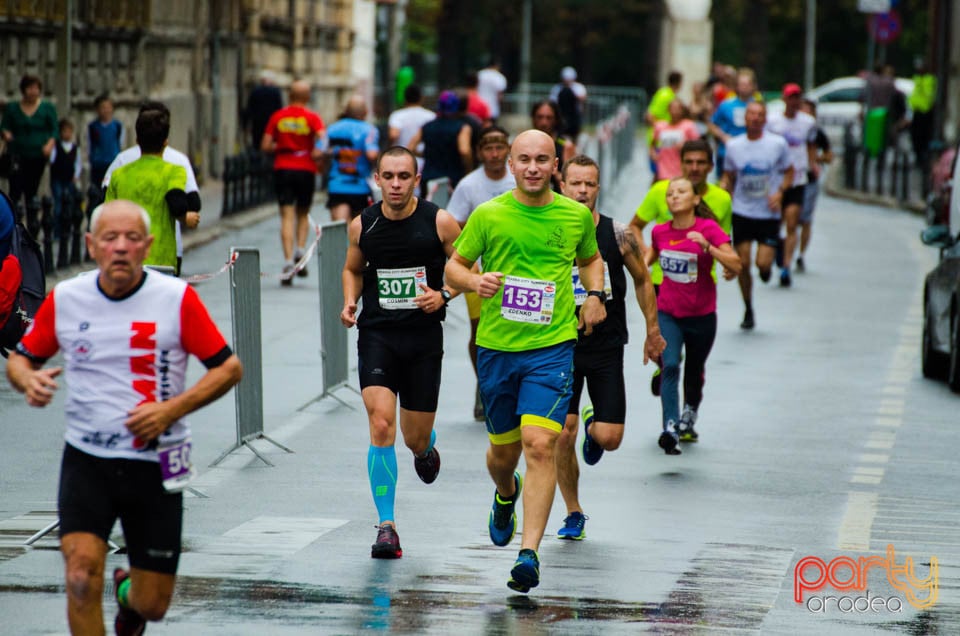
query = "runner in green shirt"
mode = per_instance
[
  {"x": 527, "y": 238},
  {"x": 156, "y": 185}
]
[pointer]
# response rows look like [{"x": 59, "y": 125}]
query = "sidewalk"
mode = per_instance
[{"x": 212, "y": 226}]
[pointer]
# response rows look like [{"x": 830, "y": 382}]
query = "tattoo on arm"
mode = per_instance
[{"x": 626, "y": 240}]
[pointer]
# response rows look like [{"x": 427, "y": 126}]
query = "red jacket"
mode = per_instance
[{"x": 10, "y": 278}]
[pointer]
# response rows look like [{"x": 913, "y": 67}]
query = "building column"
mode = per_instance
[{"x": 687, "y": 43}]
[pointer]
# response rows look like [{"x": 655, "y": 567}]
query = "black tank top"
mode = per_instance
[
  {"x": 411, "y": 243},
  {"x": 612, "y": 332}
]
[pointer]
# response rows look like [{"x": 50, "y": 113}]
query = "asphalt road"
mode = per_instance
[{"x": 819, "y": 438}]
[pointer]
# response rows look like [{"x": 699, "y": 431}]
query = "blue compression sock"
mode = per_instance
[
  {"x": 433, "y": 440},
  {"x": 382, "y": 469}
]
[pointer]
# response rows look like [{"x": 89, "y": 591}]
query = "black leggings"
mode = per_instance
[{"x": 25, "y": 181}]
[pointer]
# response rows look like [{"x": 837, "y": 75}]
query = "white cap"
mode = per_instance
[{"x": 568, "y": 73}]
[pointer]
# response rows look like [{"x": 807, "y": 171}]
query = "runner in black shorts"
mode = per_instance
[
  {"x": 395, "y": 259},
  {"x": 598, "y": 358},
  {"x": 757, "y": 172},
  {"x": 127, "y": 455}
]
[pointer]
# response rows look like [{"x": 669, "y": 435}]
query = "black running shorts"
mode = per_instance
[
  {"x": 357, "y": 202},
  {"x": 406, "y": 361},
  {"x": 95, "y": 492},
  {"x": 763, "y": 231},
  {"x": 793, "y": 196},
  {"x": 294, "y": 187},
  {"x": 603, "y": 371}
]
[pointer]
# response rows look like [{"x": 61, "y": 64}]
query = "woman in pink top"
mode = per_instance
[
  {"x": 687, "y": 303},
  {"x": 668, "y": 136}
]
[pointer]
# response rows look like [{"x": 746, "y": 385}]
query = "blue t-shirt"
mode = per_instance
[
  {"x": 729, "y": 117},
  {"x": 348, "y": 141},
  {"x": 105, "y": 141}
]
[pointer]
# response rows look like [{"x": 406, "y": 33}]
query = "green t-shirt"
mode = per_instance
[
  {"x": 30, "y": 134},
  {"x": 653, "y": 209},
  {"x": 146, "y": 182},
  {"x": 534, "y": 248},
  {"x": 659, "y": 107}
]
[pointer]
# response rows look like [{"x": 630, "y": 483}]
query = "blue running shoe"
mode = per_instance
[
  {"x": 592, "y": 452},
  {"x": 573, "y": 527},
  {"x": 526, "y": 571},
  {"x": 503, "y": 516}
]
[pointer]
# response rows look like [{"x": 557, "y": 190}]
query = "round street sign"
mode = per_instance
[{"x": 885, "y": 27}]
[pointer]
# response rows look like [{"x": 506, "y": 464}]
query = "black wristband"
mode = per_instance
[{"x": 599, "y": 293}]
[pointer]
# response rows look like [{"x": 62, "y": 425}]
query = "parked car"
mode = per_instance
[
  {"x": 940, "y": 352},
  {"x": 839, "y": 102}
]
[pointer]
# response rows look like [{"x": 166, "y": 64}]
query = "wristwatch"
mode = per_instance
[
  {"x": 599, "y": 293},
  {"x": 446, "y": 295}
]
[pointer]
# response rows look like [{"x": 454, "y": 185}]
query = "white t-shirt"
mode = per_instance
[
  {"x": 408, "y": 121},
  {"x": 798, "y": 131},
  {"x": 579, "y": 90},
  {"x": 170, "y": 155},
  {"x": 759, "y": 165},
  {"x": 490, "y": 83},
  {"x": 474, "y": 189}
]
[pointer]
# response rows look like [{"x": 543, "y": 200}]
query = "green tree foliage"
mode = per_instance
[
  {"x": 607, "y": 42},
  {"x": 769, "y": 36}
]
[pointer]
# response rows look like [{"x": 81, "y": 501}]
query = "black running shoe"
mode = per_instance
[
  {"x": 765, "y": 275},
  {"x": 427, "y": 467},
  {"x": 748, "y": 322},
  {"x": 387, "y": 545},
  {"x": 127, "y": 622},
  {"x": 785, "y": 280},
  {"x": 801, "y": 266},
  {"x": 668, "y": 440}
]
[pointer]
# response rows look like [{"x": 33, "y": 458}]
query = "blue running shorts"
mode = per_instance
[{"x": 525, "y": 388}]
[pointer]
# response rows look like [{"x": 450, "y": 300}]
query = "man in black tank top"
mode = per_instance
[
  {"x": 397, "y": 251},
  {"x": 598, "y": 358}
]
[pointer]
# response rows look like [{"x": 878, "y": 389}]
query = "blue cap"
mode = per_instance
[
  {"x": 448, "y": 103},
  {"x": 6, "y": 226}
]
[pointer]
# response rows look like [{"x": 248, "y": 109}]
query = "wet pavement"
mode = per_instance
[{"x": 818, "y": 438}]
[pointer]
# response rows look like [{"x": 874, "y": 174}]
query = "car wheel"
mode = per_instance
[
  {"x": 933, "y": 362},
  {"x": 953, "y": 373}
]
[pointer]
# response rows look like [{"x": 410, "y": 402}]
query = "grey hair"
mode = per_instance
[{"x": 98, "y": 212}]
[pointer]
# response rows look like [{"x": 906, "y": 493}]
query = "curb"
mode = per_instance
[{"x": 833, "y": 188}]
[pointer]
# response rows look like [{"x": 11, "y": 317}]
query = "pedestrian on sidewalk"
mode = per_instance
[
  {"x": 395, "y": 259},
  {"x": 291, "y": 136},
  {"x": 104, "y": 142},
  {"x": 687, "y": 304},
  {"x": 528, "y": 238},
  {"x": 598, "y": 358},
  {"x": 126, "y": 335}
]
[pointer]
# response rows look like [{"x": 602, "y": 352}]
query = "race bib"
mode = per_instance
[
  {"x": 528, "y": 300},
  {"x": 754, "y": 185},
  {"x": 580, "y": 294},
  {"x": 679, "y": 266},
  {"x": 176, "y": 465},
  {"x": 398, "y": 287}
]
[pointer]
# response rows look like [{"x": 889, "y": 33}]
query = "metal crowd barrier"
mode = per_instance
[
  {"x": 247, "y": 181},
  {"x": 334, "y": 353},
  {"x": 891, "y": 172},
  {"x": 611, "y": 145},
  {"x": 247, "y": 335}
]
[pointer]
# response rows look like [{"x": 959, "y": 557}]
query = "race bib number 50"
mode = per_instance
[
  {"x": 398, "y": 287},
  {"x": 176, "y": 465},
  {"x": 528, "y": 300}
]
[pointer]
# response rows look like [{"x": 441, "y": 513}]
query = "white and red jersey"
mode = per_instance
[{"x": 119, "y": 353}]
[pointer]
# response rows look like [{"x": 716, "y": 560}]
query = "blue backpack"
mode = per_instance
[{"x": 33, "y": 286}]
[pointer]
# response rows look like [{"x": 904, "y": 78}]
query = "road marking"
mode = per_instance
[
  {"x": 888, "y": 421},
  {"x": 857, "y": 524},
  {"x": 249, "y": 549},
  {"x": 873, "y": 458}
]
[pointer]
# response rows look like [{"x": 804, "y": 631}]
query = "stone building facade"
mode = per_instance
[{"x": 200, "y": 57}]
